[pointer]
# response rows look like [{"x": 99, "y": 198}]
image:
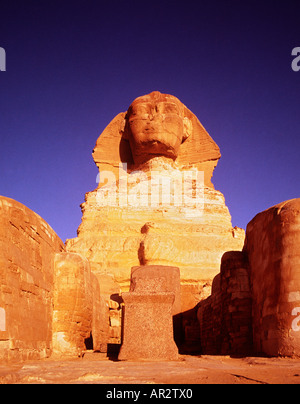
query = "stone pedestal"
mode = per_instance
[{"x": 148, "y": 327}]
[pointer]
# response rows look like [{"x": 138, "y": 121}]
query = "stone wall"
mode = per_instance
[
  {"x": 225, "y": 316},
  {"x": 209, "y": 317},
  {"x": 27, "y": 247},
  {"x": 272, "y": 244},
  {"x": 50, "y": 300}
]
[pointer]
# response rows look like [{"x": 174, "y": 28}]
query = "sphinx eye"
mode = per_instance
[{"x": 139, "y": 110}]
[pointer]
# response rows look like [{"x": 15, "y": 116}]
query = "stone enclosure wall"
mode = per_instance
[
  {"x": 225, "y": 316},
  {"x": 52, "y": 301},
  {"x": 273, "y": 247},
  {"x": 27, "y": 247},
  {"x": 257, "y": 294}
]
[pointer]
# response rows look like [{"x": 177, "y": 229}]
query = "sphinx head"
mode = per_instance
[{"x": 156, "y": 126}]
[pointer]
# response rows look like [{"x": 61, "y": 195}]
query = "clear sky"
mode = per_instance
[{"x": 71, "y": 66}]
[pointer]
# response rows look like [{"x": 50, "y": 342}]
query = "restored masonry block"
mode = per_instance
[
  {"x": 236, "y": 327},
  {"x": 225, "y": 317}
]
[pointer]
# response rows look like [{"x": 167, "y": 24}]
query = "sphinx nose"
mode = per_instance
[{"x": 155, "y": 115}]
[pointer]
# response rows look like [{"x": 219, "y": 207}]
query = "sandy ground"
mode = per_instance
[{"x": 98, "y": 369}]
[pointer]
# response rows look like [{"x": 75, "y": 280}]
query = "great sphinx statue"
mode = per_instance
[{"x": 157, "y": 134}]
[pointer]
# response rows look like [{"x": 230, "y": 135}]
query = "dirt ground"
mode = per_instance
[{"x": 96, "y": 368}]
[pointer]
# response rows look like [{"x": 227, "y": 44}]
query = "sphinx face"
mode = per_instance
[{"x": 155, "y": 127}]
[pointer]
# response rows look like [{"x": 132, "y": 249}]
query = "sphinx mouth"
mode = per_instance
[
  {"x": 154, "y": 143},
  {"x": 158, "y": 148},
  {"x": 150, "y": 130},
  {"x": 152, "y": 127}
]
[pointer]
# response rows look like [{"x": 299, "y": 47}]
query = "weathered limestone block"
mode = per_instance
[
  {"x": 148, "y": 327},
  {"x": 111, "y": 311},
  {"x": 236, "y": 323},
  {"x": 97, "y": 335},
  {"x": 27, "y": 247},
  {"x": 73, "y": 303},
  {"x": 272, "y": 244}
]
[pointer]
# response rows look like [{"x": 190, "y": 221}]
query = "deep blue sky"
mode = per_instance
[{"x": 73, "y": 65}]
